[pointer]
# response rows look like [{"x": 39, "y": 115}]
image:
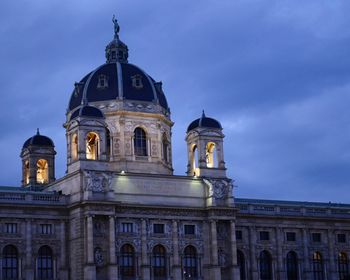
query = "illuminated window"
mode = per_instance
[
  {"x": 265, "y": 265},
  {"x": 42, "y": 171},
  {"x": 140, "y": 142},
  {"x": 210, "y": 155},
  {"x": 74, "y": 147},
  {"x": 317, "y": 266},
  {"x": 189, "y": 263},
  {"x": 92, "y": 146},
  {"x": 9, "y": 262},
  {"x": 26, "y": 172},
  {"x": 127, "y": 262},
  {"x": 45, "y": 263},
  {"x": 194, "y": 160},
  {"x": 343, "y": 266},
  {"x": 159, "y": 262},
  {"x": 292, "y": 266}
]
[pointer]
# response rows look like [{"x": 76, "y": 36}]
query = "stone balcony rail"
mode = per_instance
[
  {"x": 25, "y": 197},
  {"x": 291, "y": 208}
]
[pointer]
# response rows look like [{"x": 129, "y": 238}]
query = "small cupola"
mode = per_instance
[
  {"x": 205, "y": 148},
  {"x": 38, "y": 161},
  {"x": 116, "y": 50}
]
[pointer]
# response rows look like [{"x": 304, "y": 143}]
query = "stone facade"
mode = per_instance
[{"x": 120, "y": 213}]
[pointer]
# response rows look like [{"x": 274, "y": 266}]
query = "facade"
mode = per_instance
[{"x": 120, "y": 213}]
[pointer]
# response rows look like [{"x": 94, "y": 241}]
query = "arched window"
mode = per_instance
[
  {"x": 42, "y": 171},
  {"x": 92, "y": 146},
  {"x": 74, "y": 147},
  {"x": 45, "y": 263},
  {"x": 210, "y": 155},
  {"x": 343, "y": 266},
  {"x": 241, "y": 264},
  {"x": 127, "y": 262},
  {"x": 159, "y": 262},
  {"x": 165, "y": 148},
  {"x": 9, "y": 263},
  {"x": 265, "y": 266},
  {"x": 292, "y": 266},
  {"x": 317, "y": 266},
  {"x": 140, "y": 142},
  {"x": 189, "y": 263},
  {"x": 26, "y": 172},
  {"x": 194, "y": 160}
]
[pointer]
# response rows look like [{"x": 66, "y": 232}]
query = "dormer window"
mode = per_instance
[
  {"x": 137, "y": 81},
  {"x": 102, "y": 82}
]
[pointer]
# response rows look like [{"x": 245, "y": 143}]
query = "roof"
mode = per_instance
[
  {"x": 38, "y": 140},
  {"x": 204, "y": 121}
]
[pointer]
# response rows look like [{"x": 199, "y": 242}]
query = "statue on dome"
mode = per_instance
[{"x": 116, "y": 26}]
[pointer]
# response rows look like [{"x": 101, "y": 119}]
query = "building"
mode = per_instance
[{"x": 120, "y": 213}]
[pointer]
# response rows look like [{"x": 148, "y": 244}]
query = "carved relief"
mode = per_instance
[
  {"x": 97, "y": 182},
  {"x": 116, "y": 146},
  {"x": 219, "y": 188},
  {"x": 99, "y": 259}
]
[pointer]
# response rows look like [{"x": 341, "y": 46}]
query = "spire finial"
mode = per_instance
[
  {"x": 116, "y": 27},
  {"x": 203, "y": 114},
  {"x": 37, "y": 131}
]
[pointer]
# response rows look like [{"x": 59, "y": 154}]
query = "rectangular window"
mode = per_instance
[
  {"x": 158, "y": 228},
  {"x": 264, "y": 235},
  {"x": 45, "y": 228},
  {"x": 316, "y": 237},
  {"x": 290, "y": 236},
  {"x": 127, "y": 227},
  {"x": 238, "y": 235},
  {"x": 11, "y": 228},
  {"x": 189, "y": 229},
  {"x": 341, "y": 238}
]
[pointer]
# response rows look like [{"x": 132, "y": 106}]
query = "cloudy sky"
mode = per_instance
[{"x": 275, "y": 73}]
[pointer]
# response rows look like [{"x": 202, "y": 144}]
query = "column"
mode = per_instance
[
  {"x": 145, "y": 267},
  {"x": 112, "y": 268},
  {"x": 332, "y": 271},
  {"x": 63, "y": 271},
  {"x": 253, "y": 258},
  {"x": 279, "y": 243},
  {"x": 215, "y": 268},
  {"x": 29, "y": 263},
  {"x": 176, "y": 258},
  {"x": 234, "y": 266},
  {"x": 90, "y": 268},
  {"x": 306, "y": 256}
]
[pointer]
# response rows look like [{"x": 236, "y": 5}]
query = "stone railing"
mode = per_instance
[
  {"x": 325, "y": 210},
  {"x": 32, "y": 197}
]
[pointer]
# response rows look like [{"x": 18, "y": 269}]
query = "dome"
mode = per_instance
[
  {"x": 87, "y": 111},
  {"x": 118, "y": 80},
  {"x": 38, "y": 140},
  {"x": 204, "y": 122}
]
